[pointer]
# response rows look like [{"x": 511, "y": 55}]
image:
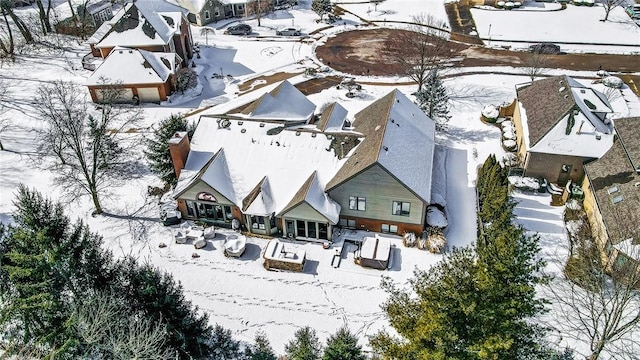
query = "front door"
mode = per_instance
[{"x": 291, "y": 231}]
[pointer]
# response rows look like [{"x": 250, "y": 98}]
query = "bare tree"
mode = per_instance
[
  {"x": 6, "y": 6},
  {"x": 609, "y": 5},
  {"x": 423, "y": 47},
  {"x": 88, "y": 156},
  {"x": 600, "y": 302},
  {"x": 109, "y": 331},
  {"x": 206, "y": 31},
  {"x": 259, "y": 8},
  {"x": 44, "y": 15},
  {"x": 535, "y": 65}
]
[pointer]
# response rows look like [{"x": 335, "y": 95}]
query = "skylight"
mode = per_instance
[
  {"x": 616, "y": 199},
  {"x": 613, "y": 189}
]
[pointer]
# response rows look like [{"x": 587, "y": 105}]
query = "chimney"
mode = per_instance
[{"x": 179, "y": 147}]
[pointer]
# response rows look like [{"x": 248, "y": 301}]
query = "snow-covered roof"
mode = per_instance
[
  {"x": 312, "y": 192},
  {"x": 283, "y": 103},
  {"x": 283, "y": 162},
  {"x": 134, "y": 66},
  {"x": 400, "y": 138},
  {"x": 548, "y": 107},
  {"x": 143, "y": 23},
  {"x": 333, "y": 118}
]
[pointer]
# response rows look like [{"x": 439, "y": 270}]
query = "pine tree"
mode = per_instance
[
  {"x": 154, "y": 293},
  {"x": 46, "y": 263},
  {"x": 261, "y": 349},
  {"x": 434, "y": 100},
  {"x": 343, "y": 345},
  {"x": 304, "y": 346},
  {"x": 321, "y": 7},
  {"x": 157, "y": 151},
  {"x": 223, "y": 345}
]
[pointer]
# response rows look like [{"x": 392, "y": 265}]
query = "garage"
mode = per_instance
[
  {"x": 149, "y": 94},
  {"x": 125, "y": 95}
]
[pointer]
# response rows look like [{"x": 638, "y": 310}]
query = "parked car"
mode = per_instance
[
  {"x": 288, "y": 31},
  {"x": 240, "y": 29},
  {"x": 545, "y": 48}
]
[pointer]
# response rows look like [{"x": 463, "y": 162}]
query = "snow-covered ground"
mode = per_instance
[{"x": 239, "y": 293}]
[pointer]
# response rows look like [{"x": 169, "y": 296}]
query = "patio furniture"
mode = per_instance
[
  {"x": 200, "y": 243},
  {"x": 180, "y": 237},
  {"x": 500, "y": 4},
  {"x": 235, "y": 245},
  {"x": 209, "y": 233}
]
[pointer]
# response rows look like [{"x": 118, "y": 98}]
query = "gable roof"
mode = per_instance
[
  {"x": 142, "y": 23},
  {"x": 332, "y": 118},
  {"x": 134, "y": 66},
  {"x": 547, "y": 101},
  {"x": 312, "y": 193},
  {"x": 400, "y": 138},
  {"x": 285, "y": 102},
  {"x": 264, "y": 169},
  {"x": 615, "y": 180},
  {"x": 215, "y": 173}
]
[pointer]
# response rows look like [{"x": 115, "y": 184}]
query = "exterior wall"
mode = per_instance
[
  {"x": 517, "y": 121},
  {"x": 376, "y": 225},
  {"x": 183, "y": 43},
  {"x": 202, "y": 187},
  {"x": 164, "y": 89},
  {"x": 598, "y": 229},
  {"x": 550, "y": 165},
  {"x": 380, "y": 190},
  {"x": 305, "y": 212}
]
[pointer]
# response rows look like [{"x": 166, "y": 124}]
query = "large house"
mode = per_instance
[
  {"x": 143, "y": 47},
  {"x": 612, "y": 195},
  {"x": 202, "y": 12},
  {"x": 560, "y": 125},
  {"x": 277, "y": 173}
]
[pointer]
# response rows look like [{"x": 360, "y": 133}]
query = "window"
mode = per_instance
[
  {"x": 351, "y": 223},
  {"x": 257, "y": 222},
  {"x": 323, "y": 232},
  {"x": 342, "y": 222},
  {"x": 357, "y": 203},
  {"x": 207, "y": 15},
  {"x": 401, "y": 208},
  {"x": 389, "y": 228}
]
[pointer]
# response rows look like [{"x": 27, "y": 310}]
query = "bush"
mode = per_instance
[{"x": 186, "y": 79}]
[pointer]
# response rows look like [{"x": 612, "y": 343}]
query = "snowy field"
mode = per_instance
[{"x": 239, "y": 293}]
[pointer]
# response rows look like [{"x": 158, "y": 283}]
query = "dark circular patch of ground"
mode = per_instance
[{"x": 355, "y": 52}]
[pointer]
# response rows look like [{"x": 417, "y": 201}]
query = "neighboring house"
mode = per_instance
[
  {"x": 560, "y": 125},
  {"x": 612, "y": 195},
  {"x": 202, "y": 12},
  {"x": 138, "y": 74},
  {"x": 100, "y": 12},
  {"x": 301, "y": 180},
  {"x": 152, "y": 25}
]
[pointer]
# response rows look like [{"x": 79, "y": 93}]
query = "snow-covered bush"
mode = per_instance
[
  {"x": 435, "y": 240},
  {"x": 507, "y": 124},
  {"x": 612, "y": 82},
  {"x": 409, "y": 239},
  {"x": 186, "y": 79},
  {"x": 510, "y": 159},
  {"x": 509, "y": 145},
  {"x": 524, "y": 183},
  {"x": 508, "y": 134},
  {"x": 436, "y": 217},
  {"x": 490, "y": 113}
]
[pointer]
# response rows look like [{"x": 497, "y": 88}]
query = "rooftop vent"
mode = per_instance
[
  {"x": 566, "y": 96},
  {"x": 582, "y": 91},
  {"x": 385, "y": 148},
  {"x": 224, "y": 123},
  {"x": 377, "y": 128},
  {"x": 297, "y": 133},
  {"x": 598, "y": 136},
  {"x": 240, "y": 122},
  {"x": 561, "y": 89},
  {"x": 243, "y": 130},
  {"x": 637, "y": 184},
  {"x": 313, "y": 134},
  {"x": 261, "y": 124},
  {"x": 616, "y": 199},
  {"x": 393, "y": 121}
]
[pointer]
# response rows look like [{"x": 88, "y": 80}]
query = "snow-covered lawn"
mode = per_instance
[{"x": 239, "y": 293}]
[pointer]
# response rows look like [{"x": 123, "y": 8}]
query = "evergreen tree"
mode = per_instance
[
  {"x": 223, "y": 345},
  {"x": 46, "y": 263},
  {"x": 155, "y": 294},
  {"x": 261, "y": 349},
  {"x": 304, "y": 346},
  {"x": 157, "y": 151},
  {"x": 474, "y": 304},
  {"x": 434, "y": 100},
  {"x": 343, "y": 345},
  {"x": 321, "y": 7}
]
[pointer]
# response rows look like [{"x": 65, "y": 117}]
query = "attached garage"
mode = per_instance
[
  {"x": 149, "y": 94},
  {"x": 126, "y": 95}
]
